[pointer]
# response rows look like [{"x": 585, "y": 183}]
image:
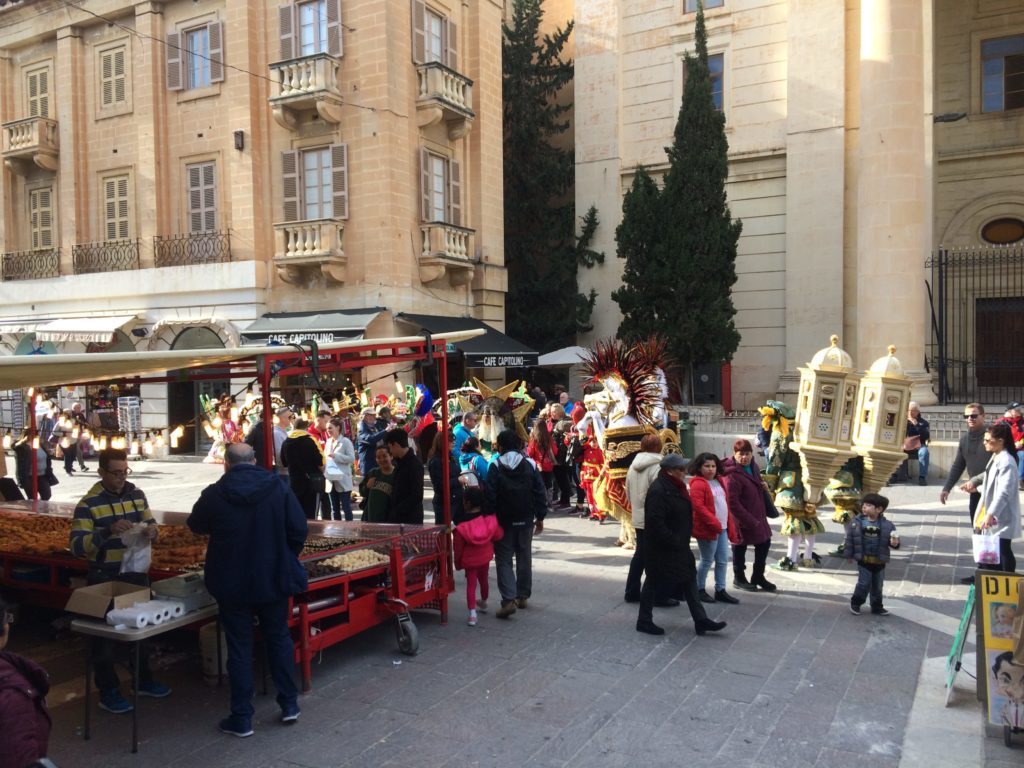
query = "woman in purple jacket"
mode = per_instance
[
  {"x": 25, "y": 730},
  {"x": 746, "y": 493}
]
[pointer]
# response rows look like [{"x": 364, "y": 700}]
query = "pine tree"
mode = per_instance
[
  {"x": 684, "y": 265},
  {"x": 542, "y": 251}
]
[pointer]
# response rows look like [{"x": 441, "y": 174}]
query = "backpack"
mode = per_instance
[{"x": 574, "y": 451}]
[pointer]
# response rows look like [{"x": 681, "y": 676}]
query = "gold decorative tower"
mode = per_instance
[{"x": 881, "y": 420}]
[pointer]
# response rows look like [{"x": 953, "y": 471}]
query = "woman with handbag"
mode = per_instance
[
  {"x": 340, "y": 456},
  {"x": 746, "y": 493},
  {"x": 915, "y": 445},
  {"x": 999, "y": 508}
]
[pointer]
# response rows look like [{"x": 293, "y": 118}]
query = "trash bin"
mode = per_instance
[{"x": 687, "y": 435}]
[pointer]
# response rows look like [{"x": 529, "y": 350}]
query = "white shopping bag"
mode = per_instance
[{"x": 138, "y": 552}]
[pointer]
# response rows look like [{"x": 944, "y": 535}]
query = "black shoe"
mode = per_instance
[
  {"x": 631, "y": 598},
  {"x": 745, "y": 585},
  {"x": 922, "y": 481},
  {"x": 855, "y": 609},
  {"x": 668, "y": 602},
  {"x": 764, "y": 584},
  {"x": 967, "y": 580},
  {"x": 879, "y": 611},
  {"x": 704, "y": 626},
  {"x": 704, "y": 596},
  {"x": 721, "y": 596},
  {"x": 649, "y": 628}
]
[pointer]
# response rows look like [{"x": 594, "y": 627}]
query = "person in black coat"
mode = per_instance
[
  {"x": 435, "y": 468},
  {"x": 257, "y": 530},
  {"x": 668, "y": 560},
  {"x": 301, "y": 454},
  {"x": 407, "y": 482}
]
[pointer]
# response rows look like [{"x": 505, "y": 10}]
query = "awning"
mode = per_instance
[
  {"x": 564, "y": 356},
  {"x": 321, "y": 327},
  {"x": 84, "y": 329},
  {"x": 26, "y": 325},
  {"x": 491, "y": 350}
]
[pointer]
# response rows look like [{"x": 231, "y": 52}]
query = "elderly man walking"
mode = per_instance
[
  {"x": 257, "y": 530},
  {"x": 972, "y": 456}
]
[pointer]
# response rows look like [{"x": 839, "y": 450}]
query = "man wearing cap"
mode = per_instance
[
  {"x": 462, "y": 432},
  {"x": 972, "y": 456},
  {"x": 668, "y": 560},
  {"x": 370, "y": 433}
]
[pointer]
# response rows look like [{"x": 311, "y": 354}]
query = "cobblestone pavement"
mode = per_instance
[{"x": 795, "y": 680}]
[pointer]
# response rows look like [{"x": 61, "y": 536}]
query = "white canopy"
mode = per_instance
[
  {"x": 84, "y": 329},
  {"x": 564, "y": 356}
]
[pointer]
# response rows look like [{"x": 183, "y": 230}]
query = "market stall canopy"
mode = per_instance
[
  {"x": 24, "y": 371},
  {"x": 492, "y": 349},
  {"x": 98, "y": 330},
  {"x": 321, "y": 327},
  {"x": 564, "y": 356}
]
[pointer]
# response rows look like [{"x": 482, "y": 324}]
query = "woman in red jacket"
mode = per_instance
[
  {"x": 25, "y": 730},
  {"x": 542, "y": 450},
  {"x": 713, "y": 526}
]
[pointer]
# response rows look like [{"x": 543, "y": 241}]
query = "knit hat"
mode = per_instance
[{"x": 578, "y": 412}]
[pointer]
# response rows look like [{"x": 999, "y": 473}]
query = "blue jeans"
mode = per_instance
[
  {"x": 923, "y": 460},
  {"x": 342, "y": 499},
  {"x": 237, "y": 623},
  {"x": 869, "y": 583},
  {"x": 717, "y": 551}
]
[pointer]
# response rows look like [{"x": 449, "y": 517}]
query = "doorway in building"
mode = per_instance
[{"x": 183, "y": 397}]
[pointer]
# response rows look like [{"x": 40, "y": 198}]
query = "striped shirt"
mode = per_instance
[{"x": 98, "y": 510}]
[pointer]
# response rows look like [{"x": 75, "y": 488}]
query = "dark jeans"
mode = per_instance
[
  {"x": 636, "y": 568},
  {"x": 581, "y": 494},
  {"x": 1007, "y": 560},
  {"x": 685, "y": 591},
  {"x": 561, "y": 473},
  {"x": 237, "y": 623},
  {"x": 869, "y": 584},
  {"x": 739, "y": 556},
  {"x": 518, "y": 541},
  {"x": 102, "y": 651},
  {"x": 341, "y": 503},
  {"x": 70, "y": 454},
  {"x": 307, "y": 494}
]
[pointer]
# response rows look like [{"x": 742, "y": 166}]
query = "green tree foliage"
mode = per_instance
[
  {"x": 542, "y": 250},
  {"x": 679, "y": 243}
]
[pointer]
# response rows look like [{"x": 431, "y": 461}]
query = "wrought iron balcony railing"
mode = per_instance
[
  {"x": 309, "y": 82},
  {"x": 197, "y": 248},
  {"x": 106, "y": 256},
  {"x": 31, "y": 265},
  {"x": 32, "y": 140}
]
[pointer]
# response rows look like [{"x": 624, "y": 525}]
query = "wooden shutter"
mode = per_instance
[
  {"x": 419, "y": 32},
  {"x": 37, "y": 86},
  {"x": 175, "y": 75},
  {"x": 44, "y": 93},
  {"x": 339, "y": 180},
  {"x": 454, "y": 193},
  {"x": 41, "y": 217},
  {"x": 334, "y": 41},
  {"x": 115, "y": 199},
  {"x": 424, "y": 185},
  {"x": 215, "y": 30},
  {"x": 202, "y": 198},
  {"x": 119, "y": 77},
  {"x": 286, "y": 24},
  {"x": 106, "y": 78},
  {"x": 290, "y": 184},
  {"x": 451, "y": 45}
]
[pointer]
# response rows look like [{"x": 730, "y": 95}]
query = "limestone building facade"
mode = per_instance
[
  {"x": 175, "y": 170},
  {"x": 863, "y": 135}
]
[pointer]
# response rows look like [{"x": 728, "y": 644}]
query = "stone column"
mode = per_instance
[
  {"x": 892, "y": 234},
  {"x": 148, "y": 94},
  {"x": 68, "y": 107}
]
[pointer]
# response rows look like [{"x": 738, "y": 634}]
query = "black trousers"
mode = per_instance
[
  {"x": 70, "y": 454},
  {"x": 687, "y": 591},
  {"x": 561, "y": 472},
  {"x": 739, "y": 557}
]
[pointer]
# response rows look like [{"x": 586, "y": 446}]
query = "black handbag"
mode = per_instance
[{"x": 770, "y": 510}]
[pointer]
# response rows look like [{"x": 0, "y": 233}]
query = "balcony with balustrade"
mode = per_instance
[
  {"x": 447, "y": 250},
  {"x": 30, "y": 265},
  {"x": 304, "y": 84},
  {"x": 444, "y": 94},
  {"x": 105, "y": 256},
  {"x": 33, "y": 141},
  {"x": 308, "y": 250}
]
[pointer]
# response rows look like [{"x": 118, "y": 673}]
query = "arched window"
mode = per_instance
[{"x": 1003, "y": 231}]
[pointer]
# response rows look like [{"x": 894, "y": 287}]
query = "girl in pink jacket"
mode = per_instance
[{"x": 474, "y": 549}]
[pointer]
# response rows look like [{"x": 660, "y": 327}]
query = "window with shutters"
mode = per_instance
[
  {"x": 202, "y": 197},
  {"x": 434, "y": 37},
  {"x": 116, "y": 207},
  {"x": 315, "y": 183},
  {"x": 37, "y": 92},
  {"x": 195, "y": 56},
  {"x": 40, "y": 212},
  {"x": 440, "y": 189},
  {"x": 113, "y": 64},
  {"x": 1002, "y": 74},
  {"x": 310, "y": 28}
]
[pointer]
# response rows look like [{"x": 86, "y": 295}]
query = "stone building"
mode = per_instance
[
  {"x": 177, "y": 174},
  {"x": 864, "y": 135}
]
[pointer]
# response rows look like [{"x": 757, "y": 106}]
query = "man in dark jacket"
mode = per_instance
[
  {"x": 23, "y": 687},
  {"x": 369, "y": 434},
  {"x": 407, "y": 482},
  {"x": 301, "y": 454},
  {"x": 668, "y": 559},
  {"x": 514, "y": 491},
  {"x": 257, "y": 530}
]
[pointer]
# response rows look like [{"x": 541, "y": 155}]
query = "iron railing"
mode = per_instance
[
  {"x": 31, "y": 265},
  {"x": 977, "y": 318},
  {"x": 199, "y": 248},
  {"x": 105, "y": 256}
]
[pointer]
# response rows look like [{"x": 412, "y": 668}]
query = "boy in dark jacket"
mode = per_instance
[
  {"x": 407, "y": 483},
  {"x": 868, "y": 540}
]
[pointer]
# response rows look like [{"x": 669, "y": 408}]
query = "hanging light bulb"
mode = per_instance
[
  {"x": 210, "y": 431},
  {"x": 135, "y": 448},
  {"x": 35, "y": 442},
  {"x": 234, "y": 413},
  {"x": 103, "y": 443},
  {"x": 7, "y": 441}
]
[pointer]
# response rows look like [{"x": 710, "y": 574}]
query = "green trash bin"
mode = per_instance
[{"x": 687, "y": 435}]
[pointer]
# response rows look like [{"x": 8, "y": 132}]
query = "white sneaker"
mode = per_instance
[
  {"x": 472, "y": 619},
  {"x": 481, "y": 605}
]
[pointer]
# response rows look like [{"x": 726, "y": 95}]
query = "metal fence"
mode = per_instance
[
  {"x": 977, "y": 322},
  {"x": 107, "y": 256},
  {"x": 31, "y": 265},
  {"x": 199, "y": 248}
]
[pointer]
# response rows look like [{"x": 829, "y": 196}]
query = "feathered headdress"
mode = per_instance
[
  {"x": 610, "y": 358},
  {"x": 654, "y": 351}
]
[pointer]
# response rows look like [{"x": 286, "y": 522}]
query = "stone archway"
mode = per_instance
[{"x": 183, "y": 406}]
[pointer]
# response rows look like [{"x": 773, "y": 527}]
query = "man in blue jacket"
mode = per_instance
[{"x": 257, "y": 530}]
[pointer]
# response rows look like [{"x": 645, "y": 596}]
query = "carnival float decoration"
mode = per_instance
[{"x": 506, "y": 407}]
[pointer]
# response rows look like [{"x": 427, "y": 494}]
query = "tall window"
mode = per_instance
[
  {"x": 308, "y": 28},
  {"x": 437, "y": 187},
  {"x": 691, "y": 5},
  {"x": 202, "y": 197},
  {"x": 37, "y": 92},
  {"x": 113, "y": 77},
  {"x": 1002, "y": 74},
  {"x": 40, "y": 212},
  {"x": 434, "y": 37},
  {"x": 116, "y": 223},
  {"x": 197, "y": 61},
  {"x": 195, "y": 57},
  {"x": 312, "y": 27},
  {"x": 315, "y": 183},
  {"x": 440, "y": 189},
  {"x": 716, "y": 70}
]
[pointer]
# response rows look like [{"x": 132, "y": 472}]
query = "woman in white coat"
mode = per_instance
[
  {"x": 341, "y": 454},
  {"x": 999, "y": 509}
]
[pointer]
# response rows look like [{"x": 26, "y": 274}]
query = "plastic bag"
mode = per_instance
[
  {"x": 332, "y": 471},
  {"x": 138, "y": 552},
  {"x": 986, "y": 548}
]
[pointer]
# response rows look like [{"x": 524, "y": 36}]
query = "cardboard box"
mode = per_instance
[{"x": 100, "y": 598}]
